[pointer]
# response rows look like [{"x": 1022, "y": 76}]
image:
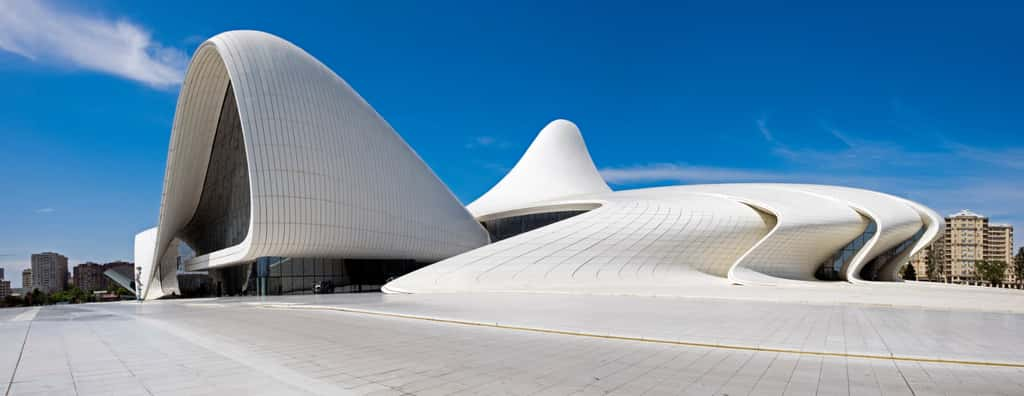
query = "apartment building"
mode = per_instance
[
  {"x": 969, "y": 237},
  {"x": 49, "y": 272}
]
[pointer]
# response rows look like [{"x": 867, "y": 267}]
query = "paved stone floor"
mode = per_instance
[{"x": 312, "y": 345}]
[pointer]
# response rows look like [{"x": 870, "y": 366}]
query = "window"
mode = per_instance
[
  {"x": 221, "y": 219},
  {"x": 511, "y": 226},
  {"x": 298, "y": 275},
  {"x": 832, "y": 268}
]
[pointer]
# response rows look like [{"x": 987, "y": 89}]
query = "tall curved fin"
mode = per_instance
[
  {"x": 556, "y": 165},
  {"x": 934, "y": 225},
  {"x": 327, "y": 175}
]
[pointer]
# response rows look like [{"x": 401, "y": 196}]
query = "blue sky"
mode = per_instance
[{"x": 923, "y": 100}]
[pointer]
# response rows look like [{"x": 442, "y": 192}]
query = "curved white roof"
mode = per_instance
[
  {"x": 655, "y": 241},
  {"x": 636, "y": 242},
  {"x": 895, "y": 219},
  {"x": 810, "y": 227},
  {"x": 328, "y": 177},
  {"x": 556, "y": 165}
]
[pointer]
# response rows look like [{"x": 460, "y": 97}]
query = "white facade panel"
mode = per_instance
[
  {"x": 934, "y": 223},
  {"x": 658, "y": 240},
  {"x": 157, "y": 278},
  {"x": 896, "y": 221},
  {"x": 328, "y": 177},
  {"x": 809, "y": 228},
  {"x": 636, "y": 242},
  {"x": 556, "y": 165}
]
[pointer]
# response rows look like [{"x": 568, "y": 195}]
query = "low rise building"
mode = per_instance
[{"x": 89, "y": 277}]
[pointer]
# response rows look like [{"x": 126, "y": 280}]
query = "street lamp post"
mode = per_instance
[{"x": 138, "y": 284}]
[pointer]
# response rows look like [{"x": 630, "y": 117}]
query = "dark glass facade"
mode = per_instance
[
  {"x": 298, "y": 275},
  {"x": 222, "y": 218},
  {"x": 871, "y": 269},
  {"x": 511, "y": 226},
  {"x": 832, "y": 268}
]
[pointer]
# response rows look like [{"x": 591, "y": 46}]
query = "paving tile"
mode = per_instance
[{"x": 237, "y": 348}]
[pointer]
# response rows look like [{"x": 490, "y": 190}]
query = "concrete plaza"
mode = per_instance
[{"x": 800, "y": 341}]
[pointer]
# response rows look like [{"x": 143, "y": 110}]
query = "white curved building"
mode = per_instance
[
  {"x": 280, "y": 176},
  {"x": 274, "y": 155},
  {"x": 557, "y": 227}
]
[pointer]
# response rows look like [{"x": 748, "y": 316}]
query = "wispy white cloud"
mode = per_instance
[
  {"x": 1010, "y": 157},
  {"x": 194, "y": 39},
  {"x": 683, "y": 173},
  {"x": 637, "y": 175},
  {"x": 943, "y": 175},
  {"x": 762, "y": 125},
  {"x": 41, "y": 31},
  {"x": 45, "y": 210},
  {"x": 842, "y": 137},
  {"x": 856, "y": 154},
  {"x": 861, "y": 154},
  {"x": 487, "y": 142},
  {"x": 497, "y": 168},
  {"x": 991, "y": 196}
]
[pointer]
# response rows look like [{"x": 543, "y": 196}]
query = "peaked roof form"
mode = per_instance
[
  {"x": 327, "y": 175},
  {"x": 556, "y": 165},
  {"x": 274, "y": 155}
]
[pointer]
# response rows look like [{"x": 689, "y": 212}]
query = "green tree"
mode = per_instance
[
  {"x": 990, "y": 271},
  {"x": 37, "y": 298},
  {"x": 73, "y": 295},
  {"x": 980, "y": 269},
  {"x": 933, "y": 267},
  {"x": 909, "y": 273},
  {"x": 1018, "y": 265},
  {"x": 121, "y": 291},
  {"x": 13, "y": 301},
  {"x": 58, "y": 296},
  {"x": 929, "y": 266}
]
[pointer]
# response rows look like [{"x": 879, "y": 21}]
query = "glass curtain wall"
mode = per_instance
[
  {"x": 870, "y": 271},
  {"x": 222, "y": 218},
  {"x": 282, "y": 275},
  {"x": 511, "y": 226},
  {"x": 299, "y": 275},
  {"x": 832, "y": 268}
]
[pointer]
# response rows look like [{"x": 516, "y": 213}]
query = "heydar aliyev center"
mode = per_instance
[{"x": 280, "y": 175}]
